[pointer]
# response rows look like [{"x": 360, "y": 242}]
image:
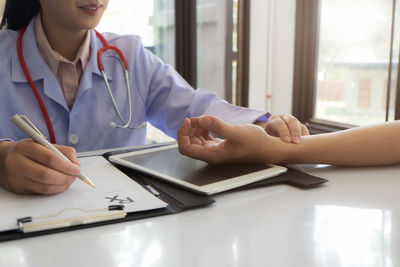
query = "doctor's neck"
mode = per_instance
[{"x": 64, "y": 40}]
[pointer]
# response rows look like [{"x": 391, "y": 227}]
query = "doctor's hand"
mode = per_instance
[
  {"x": 239, "y": 143},
  {"x": 285, "y": 126},
  {"x": 27, "y": 167}
]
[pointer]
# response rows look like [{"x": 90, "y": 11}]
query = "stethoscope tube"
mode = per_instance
[
  {"x": 106, "y": 46},
  {"x": 125, "y": 124},
  {"x": 122, "y": 60},
  {"x": 33, "y": 86}
]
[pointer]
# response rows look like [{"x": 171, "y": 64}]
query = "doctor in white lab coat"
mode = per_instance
[{"x": 60, "y": 33}]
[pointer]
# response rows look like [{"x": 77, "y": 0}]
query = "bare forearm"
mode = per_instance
[{"x": 372, "y": 145}]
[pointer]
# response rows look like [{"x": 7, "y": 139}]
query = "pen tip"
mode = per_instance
[{"x": 89, "y": 183}]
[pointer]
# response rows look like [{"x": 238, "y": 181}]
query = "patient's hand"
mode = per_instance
[{"x": 238, "y": 143}]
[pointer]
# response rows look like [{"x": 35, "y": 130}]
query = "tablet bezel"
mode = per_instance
[{"x": 209, "y": 189}]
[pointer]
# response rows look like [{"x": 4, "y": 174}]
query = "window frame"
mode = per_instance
[
  {"x": 186, "y": 40},
  {"x": 243, "y": 53},
  {"x": 305, "y": 69}
]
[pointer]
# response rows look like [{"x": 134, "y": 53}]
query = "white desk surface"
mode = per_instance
[{"x": 353, "y": 220}]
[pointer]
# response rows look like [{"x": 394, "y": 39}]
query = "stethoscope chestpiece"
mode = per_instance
[{"x": 114, "y": 125}]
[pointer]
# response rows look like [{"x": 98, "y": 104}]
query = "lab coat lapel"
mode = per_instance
[
  {"x": 52, "y": 88},
  {"x": 33, "y": 59},
  {"x": 37, "y": 67}
]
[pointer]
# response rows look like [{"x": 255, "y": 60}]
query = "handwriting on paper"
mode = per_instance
[{"x": 119, "y": 200}]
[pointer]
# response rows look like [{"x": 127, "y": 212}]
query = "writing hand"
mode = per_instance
[{"x": 27, "y": 167}]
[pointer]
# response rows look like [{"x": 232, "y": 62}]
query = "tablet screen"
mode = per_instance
[
  {"x": 171, "y": 163},
  {"x": 168, "y": 164}
]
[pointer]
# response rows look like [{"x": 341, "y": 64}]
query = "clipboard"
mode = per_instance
[{"x": 178, "y": 200}]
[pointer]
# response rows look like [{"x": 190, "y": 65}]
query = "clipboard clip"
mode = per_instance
[{"x": 62, "y": 220}]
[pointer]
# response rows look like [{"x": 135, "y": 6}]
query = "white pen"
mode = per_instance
[{"x": 35, "y": 134}]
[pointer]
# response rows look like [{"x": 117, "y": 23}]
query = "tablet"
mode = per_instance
[{"x": 168, "y": 164}]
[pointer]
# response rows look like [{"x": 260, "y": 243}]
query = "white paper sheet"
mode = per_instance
[{"x": 112, "y": 188}]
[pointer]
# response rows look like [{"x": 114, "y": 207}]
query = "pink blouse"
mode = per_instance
[{"x": 68, "y": 73}]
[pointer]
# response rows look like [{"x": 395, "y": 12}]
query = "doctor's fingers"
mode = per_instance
[
  {"x": 69, "y": 152},
  {"x": 24, "y": 185},
  {"x": 29, "y": 164},
  {"x": 50, "y": 159},
  {"x": 304, "y": 130},
  {"x": 40, "y": 154},
  {"x": 287, "y": 127},
  {"x": 296, "y": 128},
  {"x": 37, "y": 172},
  {"x": 278, "y": 127}
]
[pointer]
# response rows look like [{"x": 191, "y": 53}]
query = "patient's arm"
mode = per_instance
[{"x": 369, "y": 145}]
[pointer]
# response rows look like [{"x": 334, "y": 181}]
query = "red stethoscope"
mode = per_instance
[{"x": 106, "y": 46}]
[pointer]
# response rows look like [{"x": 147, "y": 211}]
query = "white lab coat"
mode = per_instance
[{"x": 159, "y": 94}]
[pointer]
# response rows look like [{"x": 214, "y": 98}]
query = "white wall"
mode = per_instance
[{"x": 272, "y": 54}]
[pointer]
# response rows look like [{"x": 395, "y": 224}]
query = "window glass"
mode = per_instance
[
  {"x": 353, "y": 61},
  {"x": 212, "y": 27},
  {"x": 154, "y": 22}
]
